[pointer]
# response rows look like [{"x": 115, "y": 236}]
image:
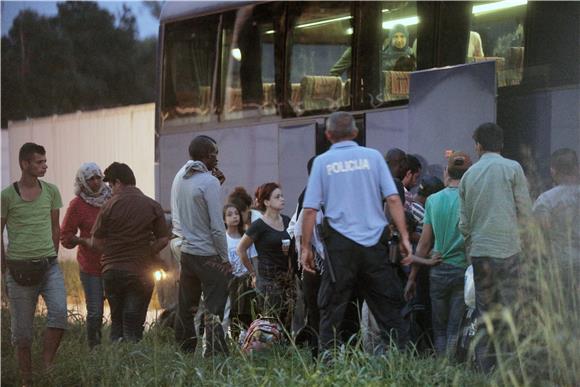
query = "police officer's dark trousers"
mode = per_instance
[{"x": 368, "y": 270}]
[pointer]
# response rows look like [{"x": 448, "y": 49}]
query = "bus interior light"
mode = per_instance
[
  {"x": 413, "y": 20},
  {"x": 321, "y": 22},
  {"x": 492, "y": 7},
  {"x": 317, "y": 23}
]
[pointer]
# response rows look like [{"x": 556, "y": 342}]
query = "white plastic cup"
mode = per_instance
[{"x": 285, "y": 245}]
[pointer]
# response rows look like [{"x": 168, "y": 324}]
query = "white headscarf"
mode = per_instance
[{"x": 82, "y": 189}]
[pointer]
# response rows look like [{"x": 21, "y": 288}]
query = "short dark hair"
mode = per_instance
[
  {"x": 413, "y": 164},
  {"x": 397, "y": 161},
  {"x": 121, "y": 172},
  {"x": 395, "y": 156},
  {"x": 28, "y": 149},
  {"x": 565, "y": 162},
  {"x": 263, "y": 193},
  {"x": 430, "y": 185},
  {"x": 201, "y": 146},
  {"x": 489, "y": 136}
]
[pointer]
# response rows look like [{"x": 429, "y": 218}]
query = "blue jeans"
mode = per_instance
[
  {"x": 94, "y": 297},
  {"x": 496, "y": 286},
  {"x": 128, "y": 295},
  {"x": 447, "y": 305}
]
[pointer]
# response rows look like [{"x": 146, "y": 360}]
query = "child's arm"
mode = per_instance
[
  {"x": 242, "y": 252},
  {"x": 433, "y": 261}
]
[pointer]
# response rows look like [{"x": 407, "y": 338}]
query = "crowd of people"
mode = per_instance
[{"x": 368, "y": 232}]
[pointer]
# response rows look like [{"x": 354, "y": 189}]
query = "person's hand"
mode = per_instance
[
  {"x": 253, "y": 276},
  {"x": 407, "y": 260},
  {"x": 307, "y": 259},
  {"x": 75, "y": 240},
  {"x": 218, "y": 175},
  {"x": 410, "y": 289},
  {"x": 435, "y": 260},
  {"x": 405, "y": 248},
  {"x": 227, "y": 267}
]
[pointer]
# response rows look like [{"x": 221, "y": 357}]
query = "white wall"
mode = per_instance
[{"x": 125, "y": 134}]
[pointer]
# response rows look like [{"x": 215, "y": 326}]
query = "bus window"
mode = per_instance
[
  {"x": 189, "y": 64},
  {"x": 398, "y": 53},
  {"x": 497, "y": 33},
  {"x": 321, "y": 35},
  {"x": 248, "y": 70}
]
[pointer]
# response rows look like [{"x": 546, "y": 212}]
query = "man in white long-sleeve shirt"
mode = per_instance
[{"x": 204, "y": 254}]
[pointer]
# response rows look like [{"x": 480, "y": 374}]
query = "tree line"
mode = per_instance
[{"x": 83, "y": 58}]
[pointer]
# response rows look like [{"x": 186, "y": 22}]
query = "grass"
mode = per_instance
[
  {"x": 156, "y": 362},
  {"x": 546, "y": 342}
]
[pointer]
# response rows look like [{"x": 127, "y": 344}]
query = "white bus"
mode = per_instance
[{"x": 261, "y": 77}]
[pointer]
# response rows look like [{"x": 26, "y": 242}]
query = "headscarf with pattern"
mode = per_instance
[{"x": 82, "y": 189}]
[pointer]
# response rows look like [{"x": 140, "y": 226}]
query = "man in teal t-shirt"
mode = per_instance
[
  {"x": 441, "y": 233},
  {"x": 30, "y": 213}
]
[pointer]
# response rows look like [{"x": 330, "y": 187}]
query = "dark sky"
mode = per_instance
[{"x": 146, "y": 24}]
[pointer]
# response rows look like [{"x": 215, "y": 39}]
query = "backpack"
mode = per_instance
[{"x": 262, "y": 334}]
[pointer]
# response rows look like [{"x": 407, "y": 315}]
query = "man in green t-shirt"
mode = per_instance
[
  {"x": 441, "y": 233},
  {"x": 30, "y": 213}
]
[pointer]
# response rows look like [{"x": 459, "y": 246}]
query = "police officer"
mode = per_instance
[{"x": 351, "y": 181}]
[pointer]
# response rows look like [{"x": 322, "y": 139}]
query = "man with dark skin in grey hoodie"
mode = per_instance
[{"x": 204, "y": 256}]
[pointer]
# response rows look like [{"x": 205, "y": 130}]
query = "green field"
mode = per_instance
[{"x": 547, "y": 354}]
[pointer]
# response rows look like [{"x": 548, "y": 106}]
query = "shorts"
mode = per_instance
[{"x": 23, "y": 301}]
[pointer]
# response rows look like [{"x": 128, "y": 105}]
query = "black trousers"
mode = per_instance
[
  {"x": 367, "y": 270},
  {"x": 210, "y": 275}
]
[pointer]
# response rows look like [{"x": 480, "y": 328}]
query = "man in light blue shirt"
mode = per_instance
[
  {"x": 495, "y": 208},
  {"x": 351, "y": 182}
]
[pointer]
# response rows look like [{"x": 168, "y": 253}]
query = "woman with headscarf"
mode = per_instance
[
  {"x": 91, "y": 194},
  {"x": 398, "y": 47}
]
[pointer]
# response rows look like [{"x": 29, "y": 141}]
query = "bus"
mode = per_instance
[{"x": 261, "y": 78}]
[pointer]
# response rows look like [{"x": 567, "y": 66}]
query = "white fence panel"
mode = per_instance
[{"x": 125, "y": 134}]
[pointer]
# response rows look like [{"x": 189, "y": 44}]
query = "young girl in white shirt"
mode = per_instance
[{"x": 241, "y": 291}]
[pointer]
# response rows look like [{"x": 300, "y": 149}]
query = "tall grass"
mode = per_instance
[
  {"x": 155, "y": 361},
  {"x": 543, "y": 331}
]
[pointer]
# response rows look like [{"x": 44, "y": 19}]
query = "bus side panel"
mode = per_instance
[
  {"x": 535, "y": 125},
  {"x": 445, "y": 107},
  {"x": 297, "y": 146},
  {"x": 565, "y": 119},
  {"x": 388, "y": 129},
  {"x": 248, "y": 157}
]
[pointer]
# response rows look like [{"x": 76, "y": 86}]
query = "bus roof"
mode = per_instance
[{"x": 177, "y": 10}]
